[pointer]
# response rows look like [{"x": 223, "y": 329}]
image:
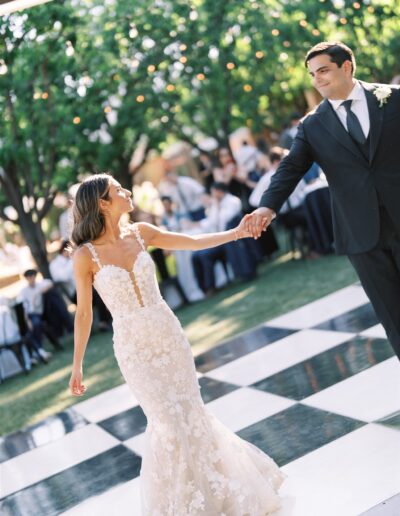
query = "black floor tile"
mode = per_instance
[
  {"x": 355, "y": 321},
  {"x": 296, "y": 431},
  {"x": 327, "y": 368},
  {"x": 239, "y": 346},
  {"x": 393, "y": 421},
  {"x": 125, "y": 425},
  {"x": 212, "y": 389},
  {"x": 45, "y": 432},
  {"x": 64, "y": 490}
]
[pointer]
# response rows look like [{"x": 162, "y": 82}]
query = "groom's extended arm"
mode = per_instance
[{"x": 283, "y": 182}]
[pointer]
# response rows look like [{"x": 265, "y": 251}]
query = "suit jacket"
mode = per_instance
[{"x": 358, "y": 186}]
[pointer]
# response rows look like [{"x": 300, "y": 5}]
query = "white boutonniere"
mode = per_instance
[{"x": 382, "y": 93}]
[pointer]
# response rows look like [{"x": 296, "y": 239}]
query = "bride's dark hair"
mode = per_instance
[{"x": 89, "y": 222}]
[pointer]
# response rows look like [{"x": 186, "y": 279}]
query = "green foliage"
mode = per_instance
[{"x": 162, "y": 68}]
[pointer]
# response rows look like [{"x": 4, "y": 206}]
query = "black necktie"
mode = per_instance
[{"x": 353, "y": 124}]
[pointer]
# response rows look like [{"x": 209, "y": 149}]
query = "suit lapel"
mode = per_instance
[
  {"x": 375, "y": 118},
  {"x": 331, "y": 122}
]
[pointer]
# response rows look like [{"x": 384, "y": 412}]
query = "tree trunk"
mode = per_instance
[{"x": 34, "y": 236}]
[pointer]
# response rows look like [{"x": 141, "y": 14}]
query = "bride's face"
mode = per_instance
[{"x": 120, "y": 199}]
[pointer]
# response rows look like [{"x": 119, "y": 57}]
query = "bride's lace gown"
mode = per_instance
[{"x": 192, "y": 464}]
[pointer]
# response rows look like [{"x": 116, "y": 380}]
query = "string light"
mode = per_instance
[
  {"x": 286, "y": 44},
  {"x": 303, "y": 23},
  {"x": 76, "y": 120},
  {"x": 107, "y": 109},
  {"x": 140, "y": 98},
  {"x": 151, "y": 68},
  {"x": 370, "y": 9},
  {"x": 230, "y": 66},
  {"x": 356, "y": 5},
  {"x": 182, "y": 47},
  {"x": 343, "y": 21},
  {"x": 201, "y": 76},
  {"x": 259, "y": 54},
  {"x": 275, "y": 32},
  {"x": 37, "y": 95},
  {"x": 45, "y": 95},
  {"x": 170, "y": 87},
  {"x": 183, "y": 59},
  {"x": 247, "y": 87},
  {"x": 316, "y": 32}
]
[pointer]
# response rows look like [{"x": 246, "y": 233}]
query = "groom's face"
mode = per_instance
[{"x": 331, "y": 81}]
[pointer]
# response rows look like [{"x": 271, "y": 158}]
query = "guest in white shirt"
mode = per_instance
[
  {"x": 61, "y": 270},
  {"x": 186, "y": 193},
  {"x": 32, "y": 298},
  {"x": 223, "y": 208}
]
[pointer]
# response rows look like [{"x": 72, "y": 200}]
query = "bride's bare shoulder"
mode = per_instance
[{"x": 82, "y": 257}]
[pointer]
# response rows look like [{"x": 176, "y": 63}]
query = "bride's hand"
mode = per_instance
[
  {"x": 241, "y": 229},
  {"x": 75, "y": 384}
]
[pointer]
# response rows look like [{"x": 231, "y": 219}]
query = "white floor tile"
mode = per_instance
[
  {"x": 40, "y": 463},
  {"x": 375, "y": 332},
  {"x": 123, "y": 500},
  {"x": 243, "y": 407},
  {"x": 345, "y": 477},
  {"x": 136, "y": 444},
  {"x": 107, "y": 404},
  {"x": 368, "y": 396},
  {"x": 323, "y": 309},
  {"x": 278, "y": 356}
]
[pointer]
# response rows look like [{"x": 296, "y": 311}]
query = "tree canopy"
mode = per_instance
[{"x": 81, "y": 81}]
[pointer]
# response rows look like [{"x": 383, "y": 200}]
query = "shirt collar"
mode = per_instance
[{"x": 355, "y": 94}]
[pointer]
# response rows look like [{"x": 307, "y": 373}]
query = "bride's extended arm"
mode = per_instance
[
  {"x": 157, "y": 237},
  {"x": 83, "y": 318}
]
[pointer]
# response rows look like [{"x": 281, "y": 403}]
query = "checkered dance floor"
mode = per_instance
[{"x": 318, "y": 389}]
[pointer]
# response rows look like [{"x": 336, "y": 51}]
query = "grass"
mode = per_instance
[{"x": 281, "y": 286}]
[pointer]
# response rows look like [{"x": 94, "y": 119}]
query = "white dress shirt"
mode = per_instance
[
  {"x": 296, "y": 197},
  {"x": 187, "y": 194},
  {"x": 32, "y": 297},
  {"x": 61, "y": 270},
  {"x": 220, "y": 213},
  {"x": 359, "y": 107}
]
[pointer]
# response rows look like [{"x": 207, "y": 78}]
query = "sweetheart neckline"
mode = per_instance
[{"x": 142, "y": 251}]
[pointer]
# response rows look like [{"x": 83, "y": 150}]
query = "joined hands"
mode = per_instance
[{"x": 253, "y": 224}]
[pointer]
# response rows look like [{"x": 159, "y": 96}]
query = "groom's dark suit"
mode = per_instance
[{"x": 364, "y": 183}]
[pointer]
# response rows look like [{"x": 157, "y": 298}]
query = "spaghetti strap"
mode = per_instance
[
  {"x": 93, "y": 252},
  {"x": 138, "y": 236}
]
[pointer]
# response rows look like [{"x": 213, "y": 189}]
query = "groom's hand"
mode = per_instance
[{"x": 259, "y": 220}]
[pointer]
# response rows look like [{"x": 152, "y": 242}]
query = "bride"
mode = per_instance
[{"x": 192, "y": 465}]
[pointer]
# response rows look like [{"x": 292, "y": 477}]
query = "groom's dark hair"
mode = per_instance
[{"x": 338, "y": 52}]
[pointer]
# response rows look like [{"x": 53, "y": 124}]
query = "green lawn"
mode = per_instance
[{"x": 282, "y": 285}]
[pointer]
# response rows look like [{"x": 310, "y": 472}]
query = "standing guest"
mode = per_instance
[
  {"x": 186, "y": 193},
  {"x": 288, "y": 135},
  {"x": 206, "y": 170},
  {"x": 246, "y": 157},
  {"x": 225, "y": 172},
  {"x": 61, "y": 270}
]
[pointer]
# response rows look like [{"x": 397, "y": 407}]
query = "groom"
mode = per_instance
[{"x": 354, "y": 135}]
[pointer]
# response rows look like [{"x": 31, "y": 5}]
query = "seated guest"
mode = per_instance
[
  {"x": 223, "y": 208},
  {"x": 186, "y": 193},
  {"x": 32, "y": 298},
  {"x": 173, "y": 221}
]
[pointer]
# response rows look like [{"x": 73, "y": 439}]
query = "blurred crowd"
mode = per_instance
[{"x": 228, "y": 185}]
